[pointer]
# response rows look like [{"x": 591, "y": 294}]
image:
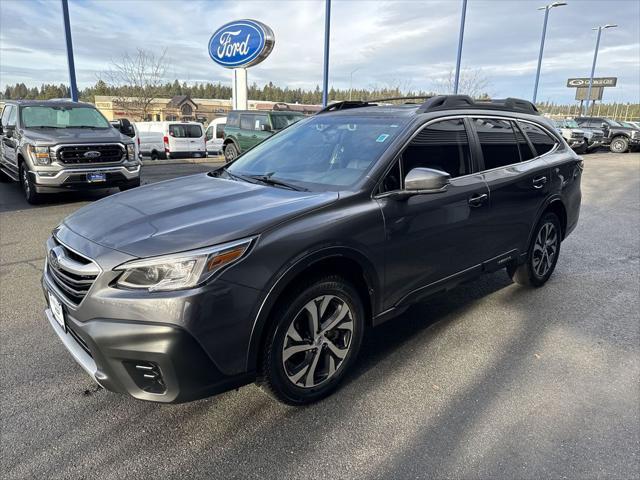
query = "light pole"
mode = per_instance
[
  {"x": 595, "y": 57},
  {"x": 546, "y": 9},
  {"x": 460, "y": 38},
  {"x": 351, "y": 80},
  {"x": 325, "y": 71}
]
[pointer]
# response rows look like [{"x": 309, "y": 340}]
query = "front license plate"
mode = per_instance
[
  {"x": 96, "y": 177},
  {"x": 56, "y": 309}
]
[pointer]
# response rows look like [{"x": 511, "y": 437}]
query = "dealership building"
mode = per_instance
[{"x": 184, "y": 108}]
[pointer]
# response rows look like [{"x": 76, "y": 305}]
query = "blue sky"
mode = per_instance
[{"x": 411, "y": 44}]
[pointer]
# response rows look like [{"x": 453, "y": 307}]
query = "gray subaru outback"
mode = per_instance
[
  {"x": 52, "y": 146},
  {"x": 270, "y": 268}
]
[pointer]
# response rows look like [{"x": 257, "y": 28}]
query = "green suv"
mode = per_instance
[{"x": 247, "y": 128}]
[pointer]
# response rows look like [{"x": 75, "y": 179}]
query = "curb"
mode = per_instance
[{"x": 178, "y": 161}]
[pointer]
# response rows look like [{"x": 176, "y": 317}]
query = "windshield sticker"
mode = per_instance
[{"x": 382, "y": 137}]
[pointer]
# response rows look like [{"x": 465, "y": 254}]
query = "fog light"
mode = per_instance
[{"x": 146, "y": 375}]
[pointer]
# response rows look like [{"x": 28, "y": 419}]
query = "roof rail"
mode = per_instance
[
  {"x": 344, "y": 105},
  {"x": 444, "y": 102},
  {"x": 402, "y": 98}
]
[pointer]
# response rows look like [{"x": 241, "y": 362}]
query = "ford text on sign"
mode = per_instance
[
  {"x": 597, "y": 82},
  {"x": 242, "y": 43}
]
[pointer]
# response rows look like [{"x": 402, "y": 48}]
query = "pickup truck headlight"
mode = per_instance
[
  {"x": 181, "y": 270},
  {"x": 131, "y": 152},
  {"x": 40, "y": 155}
]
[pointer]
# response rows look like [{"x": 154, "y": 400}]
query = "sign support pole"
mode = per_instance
[
  {"x": 325, "y": 70},
  {"x": 239, "y": 99},
  {"x": 73, "y": 87}
]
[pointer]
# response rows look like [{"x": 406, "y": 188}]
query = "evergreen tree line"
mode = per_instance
[
  {"x": 268, "y": 92},
  {"x": 275, "y": 93}
]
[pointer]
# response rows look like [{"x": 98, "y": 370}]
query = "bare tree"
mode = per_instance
[
  {"x": 140, "y": 78},
  {"x": 473, "y": 82}
]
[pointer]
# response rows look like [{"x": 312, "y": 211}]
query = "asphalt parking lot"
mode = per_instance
[{"x": 491, "y": 381}]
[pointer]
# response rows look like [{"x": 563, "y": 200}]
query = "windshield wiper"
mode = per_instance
[{"x": 269, "y": 180}]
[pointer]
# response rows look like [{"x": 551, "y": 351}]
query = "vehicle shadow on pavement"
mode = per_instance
[{"x": 12, "y": 198}]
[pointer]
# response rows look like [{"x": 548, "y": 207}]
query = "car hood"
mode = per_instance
[
  {"x": 51, "y": 136},
  {"x": 188, "y": 213}
]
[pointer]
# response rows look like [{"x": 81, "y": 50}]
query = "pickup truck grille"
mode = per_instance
[
  {"x": 73, "y": 274},
  {"x": 77, "y": 154},
  {"x": 576, "y": 135},
  {"x": 597, "y": 137}
]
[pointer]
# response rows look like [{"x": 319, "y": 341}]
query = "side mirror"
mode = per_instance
[
  {"x": 426, "y": 180},
  {"x": 125, "y": 127},
  {"x": 265, "y": 128},
  {"x": 604, "y": 125}
]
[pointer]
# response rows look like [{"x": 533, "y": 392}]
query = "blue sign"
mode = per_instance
[{"x": 241, "y": 44}]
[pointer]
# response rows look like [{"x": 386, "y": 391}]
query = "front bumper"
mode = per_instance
[
  {"x": 76, "y": 178},
  {"x": 196, "y": 341},
  {"x": 575, "y": 143}
]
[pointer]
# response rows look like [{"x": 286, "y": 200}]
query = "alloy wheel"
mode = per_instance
[
  {"x": 317, "y": 341},
  {"x": 544, "y": 249}
]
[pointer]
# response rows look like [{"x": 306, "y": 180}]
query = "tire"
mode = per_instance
[
  {"x": 129, "y": 186},
  {"x": 536, "y": 270},
  {"x": 582, "y": 149},
  {"x": 319, "y": 360},
  {"x": 154, "y": 155},
  {"x": 230, "y": 152},
  {"x": 619, "y": 144},
  {"x": 28, "y": 188}
]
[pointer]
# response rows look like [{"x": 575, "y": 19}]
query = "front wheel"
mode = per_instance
[
  {"x": 619, "y": 145},
  {"x": 313, "y": 341},
  {"x": 542, "y": 256},
  {"x": 230, "y": 152},
  {"x": 28, "y": 187}
]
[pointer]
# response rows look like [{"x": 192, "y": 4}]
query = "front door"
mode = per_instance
[
  {"x": 431, "y": 237},
  {"x": 9, "y": 142}
]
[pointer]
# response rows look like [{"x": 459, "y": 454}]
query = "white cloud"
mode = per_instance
[{"x": 407, "y": 43}]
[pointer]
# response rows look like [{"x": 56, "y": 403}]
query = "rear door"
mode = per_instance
[
  {"x": 518, "y": 181},
  {"x": 195, "y": 135},
  {"x": 178, "y": 138}
]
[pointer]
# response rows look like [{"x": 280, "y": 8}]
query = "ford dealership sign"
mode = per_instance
[{"x": 241, "y": 44}]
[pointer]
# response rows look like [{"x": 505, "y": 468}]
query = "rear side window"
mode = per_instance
[
  {"x": 442, "y": 146},
  {"x": 525, "y": 149},
  {"x": 540, "y": 139},
  {"x": 498, "y": 142},
  {"x": 185, "y": 131},
  {"x": 246, "y": 122},
  {"x": 233, "y": 119}
]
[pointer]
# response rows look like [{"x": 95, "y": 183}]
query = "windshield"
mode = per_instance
[
  {"x": 62, "y": 117},
  {"x": 332, "y": 151},
  {"x": 571, "y": 124},
  {"x": 281, "y": 121}
]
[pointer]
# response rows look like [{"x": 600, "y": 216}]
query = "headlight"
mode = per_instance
[
  {"x": 40, "y": 155},
  {"x": 131, "y": 152},
  {"x": 181, "y": 270}
]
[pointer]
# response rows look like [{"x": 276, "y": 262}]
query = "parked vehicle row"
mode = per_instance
[
  {"x": 618, "y": 137},
  {"x": 55, "y": 146},
  {"x": 271, "y": 267},
  {"x": 171, "y": 139}
]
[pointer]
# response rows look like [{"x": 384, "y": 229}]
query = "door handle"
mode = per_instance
[
  {"x": 477, "y": 200},
  {"x": 539, "y": 182}
]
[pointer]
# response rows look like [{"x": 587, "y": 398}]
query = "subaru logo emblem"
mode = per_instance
[
  {"x": 54, "y": 257},
  {"x": 91, "y": 154}
]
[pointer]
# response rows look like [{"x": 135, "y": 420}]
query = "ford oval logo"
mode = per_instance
[
  {"x": 241, "y": 44},
  {"x": 91, "y": 154}
]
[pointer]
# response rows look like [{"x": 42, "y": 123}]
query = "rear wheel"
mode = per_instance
[
  {"x": 314, "y": 340},
  {"x": 230, "y": 152},
  {"x": 542, "y": 256},
  {"x": 154, "y": 155},
  {"x": 582, "y": 148},
  {"x": 28, "y": 187},
  {"x": 619, "y": 145}
]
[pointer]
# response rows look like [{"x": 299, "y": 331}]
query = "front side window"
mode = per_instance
[
  {"x": 209, "y": 134},
  {"x": 62, "y": 117},
  {"x": 324, "y": 152},
  {"x": 441, "y": 146},
  {"x": 260, "y": 121},
  {"x": 6, "y": 113},
  {"x": 498, "y": 142},
  {"x": 220, "y": 130},
  {"x": 540, "y": 139}
]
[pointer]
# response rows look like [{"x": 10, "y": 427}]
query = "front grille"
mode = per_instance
[
  {"x": 78, "y": 154},
  {"x": 576, "y": 135},
  {"x": 73, "y": 274}
]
